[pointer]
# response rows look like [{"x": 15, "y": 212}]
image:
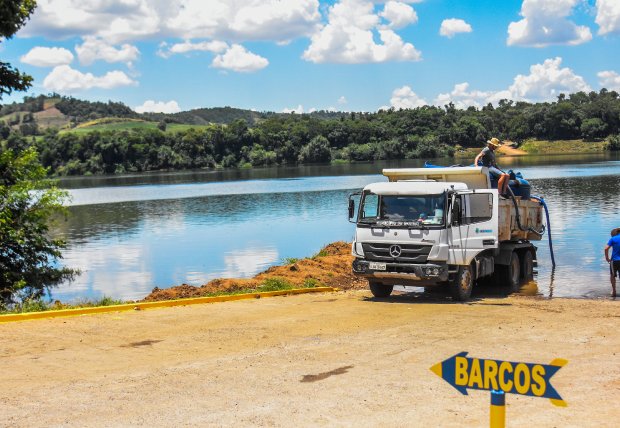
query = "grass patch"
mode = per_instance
[
  {"x": 321, "y": 253},
  {"x": 120, "y": 124},
  {"x": 42, "y": 306},
  {"x": 290, "y": 260},
  {"x": 269, "y": 284},
  {"x": 311, "y": 283},
  {"x": 542, "y": 147},
  {"x": 563, "y": 146}
]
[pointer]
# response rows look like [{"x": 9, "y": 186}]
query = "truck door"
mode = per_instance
[{"x": 473, "y": 224}]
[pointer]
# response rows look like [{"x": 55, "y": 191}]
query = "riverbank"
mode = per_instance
[
  {"x": 542, "y": 147},
  {"x": 330, "y": 359},
  {"x": 330, "y": 267}
]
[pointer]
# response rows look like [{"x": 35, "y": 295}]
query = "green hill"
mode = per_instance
[{"x": 35, "y": 115}]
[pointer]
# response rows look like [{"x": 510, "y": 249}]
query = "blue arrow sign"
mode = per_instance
[{"x": 463, "y": 372}]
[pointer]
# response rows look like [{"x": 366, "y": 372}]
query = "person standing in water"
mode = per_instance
[
  {"x": 487, "y": 158},
  {"x": 614, "y": 260}
]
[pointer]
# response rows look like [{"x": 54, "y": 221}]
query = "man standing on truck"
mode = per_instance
[
  {"x": 487, "y": 158},
  {"x": 614, "y": 261}
]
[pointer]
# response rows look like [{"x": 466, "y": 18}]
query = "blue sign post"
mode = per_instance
[{"x": 463, "y": 373}]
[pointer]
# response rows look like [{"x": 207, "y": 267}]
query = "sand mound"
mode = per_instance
[{"x": 331, "y": 267}]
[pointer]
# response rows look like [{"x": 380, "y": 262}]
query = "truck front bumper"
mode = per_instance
[{"x": 403, "y": 273}]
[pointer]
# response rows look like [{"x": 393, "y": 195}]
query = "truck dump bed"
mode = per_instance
[
  {"x": 530, "y": 211},
  {"x": 530, "y": 216}
]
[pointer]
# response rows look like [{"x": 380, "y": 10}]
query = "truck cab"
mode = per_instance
[{"x": 430, "y": 228}]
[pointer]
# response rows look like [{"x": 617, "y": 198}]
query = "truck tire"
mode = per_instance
[
  {"x": 512, "y": 273},
  {"x": 527, "y": 265},
  {"x": 380, "y": 290},
  {"x": 462, "y": 284}
]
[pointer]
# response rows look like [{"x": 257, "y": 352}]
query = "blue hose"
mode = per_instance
[{"x": 542, "y": 202}]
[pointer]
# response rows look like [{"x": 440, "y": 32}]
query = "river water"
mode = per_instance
[{"x": 129, "y": 234}]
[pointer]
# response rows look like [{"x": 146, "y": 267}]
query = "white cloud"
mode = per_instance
[
  {"x": 123, "y": 20},
  {"x": 151, "y": 106},
  {"x": 187, "y": 46},
  {"x": 545, "y": 22},
  {"x": 114, "y": 20},
  {"x": 47, "y": 57},
  {"x": 452, "y": 26},
  {"x": 544, "y": 83},
  {"x": 608, "y": 16},
  {"x": 399, "y": 14},
  {"x": 349, "y": 37},
  {"x": 462, "y": 97},
  {"x": 342, "y": 100},
  {"x": 93, "y": 49},
  {"x": 405, "y": 98},
  {"x": 298, "y": 110},
  {"x": 610, "y": 80},
  {"x": 244, "y": 19},
  {"x": 246, "y": 262},
  {"x": 64, "y": 79},
  {"x": 239, "y": 59}
]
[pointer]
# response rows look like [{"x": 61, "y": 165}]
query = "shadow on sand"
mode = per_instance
[{"x": 441, "y": 294}]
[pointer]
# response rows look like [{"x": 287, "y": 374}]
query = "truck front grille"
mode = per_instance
[{"x": 409, "y": 253}]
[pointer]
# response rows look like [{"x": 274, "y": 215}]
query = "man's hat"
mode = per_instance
[{"x": 494, "y": 142}]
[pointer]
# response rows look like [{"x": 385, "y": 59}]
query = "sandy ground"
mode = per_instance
[{"x": 336, "y": 359}]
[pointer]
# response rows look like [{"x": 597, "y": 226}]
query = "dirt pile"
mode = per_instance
[{"x": 330, "y": 267}]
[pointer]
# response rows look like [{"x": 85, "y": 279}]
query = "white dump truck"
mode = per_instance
[{"x": 427, "y": 227}]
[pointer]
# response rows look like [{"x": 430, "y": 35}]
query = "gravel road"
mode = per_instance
[{"x": 336, "y": 359}]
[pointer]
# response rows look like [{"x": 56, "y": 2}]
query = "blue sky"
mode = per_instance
[{"x": 282, "y": 55}]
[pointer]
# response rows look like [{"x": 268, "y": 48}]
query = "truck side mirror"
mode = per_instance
[
  {"x": 351, "y": 208},
  {"x": 456, "y": 212}
]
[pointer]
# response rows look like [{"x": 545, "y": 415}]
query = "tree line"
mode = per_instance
[{"x": 424, "y": 132}]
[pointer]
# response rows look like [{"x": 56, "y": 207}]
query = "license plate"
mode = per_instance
[{"x": 377, "y": 266}]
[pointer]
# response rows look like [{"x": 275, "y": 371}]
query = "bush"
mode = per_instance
[
  {"x": 28, "y": 256},
  {"x": 317, "y": 150},
  {"x": 614, "y": 143}
]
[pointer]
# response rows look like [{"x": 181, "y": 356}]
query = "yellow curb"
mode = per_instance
[{"x": 159, "y": 304}]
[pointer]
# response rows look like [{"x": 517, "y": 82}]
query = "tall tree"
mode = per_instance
[
  {"x": 13, "y": 15},
  {"x": 28, "y": 255}
]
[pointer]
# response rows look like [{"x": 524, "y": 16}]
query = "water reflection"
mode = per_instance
[
  {"x": 184, "y": 231},
  {"x": 195, "y": 240},
  {"x": 583, "y": 211}
]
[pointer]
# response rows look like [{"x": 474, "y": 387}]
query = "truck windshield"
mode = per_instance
[{"x": 403, "y": 210}]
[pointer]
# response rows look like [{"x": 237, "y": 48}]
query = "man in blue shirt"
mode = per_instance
[{"x": 614, "y": 261}]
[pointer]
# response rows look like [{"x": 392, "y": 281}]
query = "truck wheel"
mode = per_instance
[
  {"x": 462, "y": 284},
  {"x": 380, "y": 290},
  {"x": 512, "y": 273},
  {"x": 527, "y": 265}
]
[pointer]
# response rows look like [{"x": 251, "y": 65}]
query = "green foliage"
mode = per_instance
[
  {"x": 614, "y": 143},
  {"x": 321, "y": 253},
  {"x": 275, "y": 284},
  {"x": 115, "y": 139},
  {"x": 13, "y": 15},
  {"x": 316, "y": 151},
  {"x": 83, "y": 111},
  {"x": 311, "y": 283},
  {"x": 28, "y": 256},
  {"x": 593, "y": 128},
  {"x": 290, "y": 260},
  {"x": 39, "y": 305}
]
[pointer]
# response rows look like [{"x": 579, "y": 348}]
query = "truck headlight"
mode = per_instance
[
  {"x": 358, "y": 266},
  {"x": 357, "y": 247}
]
